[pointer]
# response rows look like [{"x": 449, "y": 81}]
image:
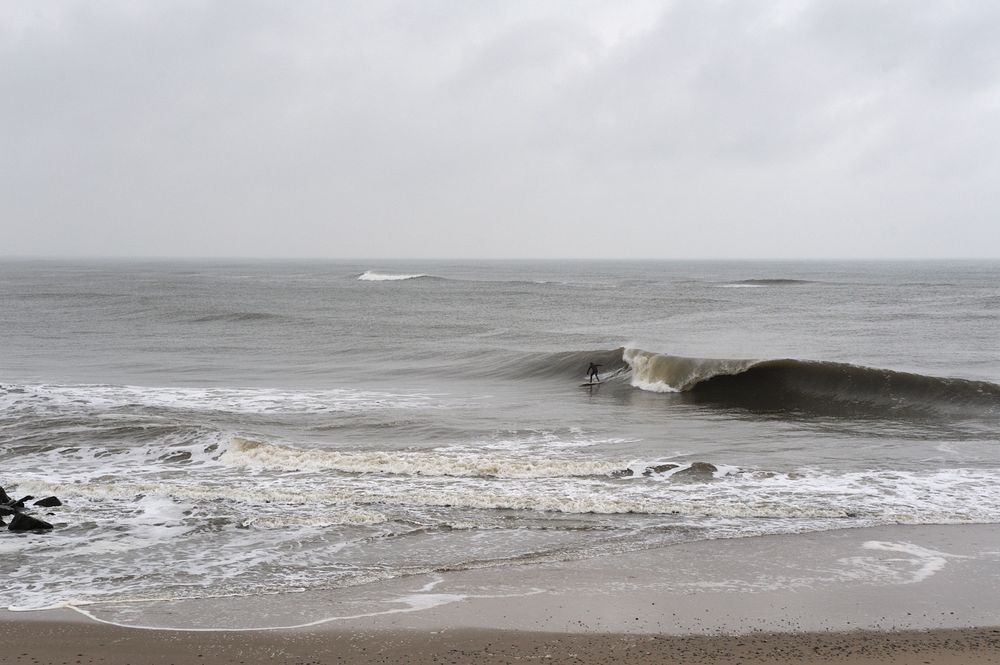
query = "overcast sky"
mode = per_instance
[{"x": 426, "y": 129}]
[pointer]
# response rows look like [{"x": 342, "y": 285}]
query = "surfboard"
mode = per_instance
[{"x": 591, "y": 383}]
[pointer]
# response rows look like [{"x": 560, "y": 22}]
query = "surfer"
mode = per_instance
[{"x": 592, "y": 373}]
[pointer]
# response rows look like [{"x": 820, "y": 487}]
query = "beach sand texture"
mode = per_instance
[{"x": 45, "y": 643}]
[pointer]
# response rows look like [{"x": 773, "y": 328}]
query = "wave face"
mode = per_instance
[
  {"x": 788, "y": 384},
  {"x": 372, "y": 276},
  {"x": 568, "y": 364}
]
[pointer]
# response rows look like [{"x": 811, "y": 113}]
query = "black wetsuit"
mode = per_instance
[{"x": 592, "y": 372}]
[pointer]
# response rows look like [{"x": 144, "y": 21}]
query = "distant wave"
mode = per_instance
[
  {"x": 774, "y": 282},
  {"x": 760, "y": 283},
  {"x": 786, "y": 384},
  {"x": 372, "y": 276},
  {"x": 237, "y": 317}
]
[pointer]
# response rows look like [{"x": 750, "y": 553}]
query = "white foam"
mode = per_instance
[
  {"x": 261, "y": 455},
  {"x": 653, "y": 386},
  {"x": 372, "y": 276},
  {"x": 412, "y": 602},
  {"x": 537, "y": 442},
  {"x": 918, "y": 563},
  {"x": 326, "y": 519},
  {"x": 945, "y": 496},
  {"x": 231, "y": 400}
]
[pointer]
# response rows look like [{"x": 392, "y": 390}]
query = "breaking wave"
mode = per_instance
[
  {"x": 772, "y": 385},
  {"x": 372, "y": 276},
  {"x": 789, "y": 383}
]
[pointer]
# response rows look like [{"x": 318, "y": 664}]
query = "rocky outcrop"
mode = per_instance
[
  {"x": 659, "y": 468},
  {"x": 20, "y": 520},
  {"x": 697, "y": 471}
]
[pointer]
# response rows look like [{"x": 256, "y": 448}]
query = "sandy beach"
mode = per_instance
[
  {"x": 883, "y": 595},
  {"x": 57, "y": 642}
]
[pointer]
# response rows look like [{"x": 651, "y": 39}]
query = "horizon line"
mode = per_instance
[{"x": 140, "y": 257}]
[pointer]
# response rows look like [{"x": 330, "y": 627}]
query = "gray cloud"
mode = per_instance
[{"x": 500, "y": 129}]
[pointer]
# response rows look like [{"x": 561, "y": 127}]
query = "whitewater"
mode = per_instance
[{"x": 243, "y": 428}]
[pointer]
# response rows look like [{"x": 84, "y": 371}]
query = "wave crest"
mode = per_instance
[
  {"x": 660, "y": 373},
  {"x": 372, "y": 276}
]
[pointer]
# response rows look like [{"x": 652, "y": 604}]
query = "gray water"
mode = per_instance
[{"x": 239, "y": 428}]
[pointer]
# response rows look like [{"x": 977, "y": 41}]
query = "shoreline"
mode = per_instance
[{"x": 872, "y": 595}]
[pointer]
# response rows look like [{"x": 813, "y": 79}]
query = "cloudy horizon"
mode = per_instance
[{"x": 797, "y": 129}]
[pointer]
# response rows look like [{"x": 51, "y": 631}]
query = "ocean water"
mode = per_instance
[{"x": 247, "y": 428}]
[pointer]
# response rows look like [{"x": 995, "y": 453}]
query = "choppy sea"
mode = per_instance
[{"x": 247, "y": 428}]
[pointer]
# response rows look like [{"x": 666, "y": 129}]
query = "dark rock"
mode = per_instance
[
  {"x": 48, "y": 502},
  {"x": 659, "y": 468},
  {"x": 22, "y": 522},
  {"x": 20, "y": 502},
  {"x": 697, "y": 470},
  {"x": 7, "y": 510},
  {"x": 622, "y": 473},
  {"x": 3, "y": 496}
]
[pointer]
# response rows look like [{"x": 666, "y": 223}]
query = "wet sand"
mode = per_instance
[
  {"x": 928, "y": 594},
  {"x": 50, "y": 643}
]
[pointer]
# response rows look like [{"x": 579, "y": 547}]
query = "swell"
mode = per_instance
[
  {"x": 773, "y": 282},
  {"x": 237, "y": 317},
  {"x": 787, "y": 384}
]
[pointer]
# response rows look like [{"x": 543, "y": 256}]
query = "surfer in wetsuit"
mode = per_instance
[{"x": 592, "y": 373}]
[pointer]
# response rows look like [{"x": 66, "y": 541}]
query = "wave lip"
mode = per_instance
[
  {"x": 373, "y": 276},
  {"x": 660, "y": 373}
]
